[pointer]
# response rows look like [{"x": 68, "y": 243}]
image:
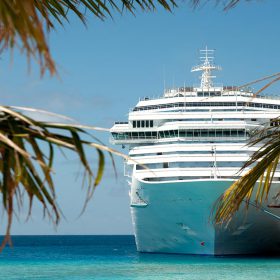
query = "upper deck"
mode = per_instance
[
  {"x": 230, "y": 97},
  {"x": 217, "y": 90},
  {"x": 200, "y": 113}
]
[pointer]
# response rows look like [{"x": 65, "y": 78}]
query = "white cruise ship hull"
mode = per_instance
[{"x": 174, "y": 217}]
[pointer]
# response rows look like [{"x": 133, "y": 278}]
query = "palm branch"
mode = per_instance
[
  {"x": 263, "y": 164},
  {"x": 26, "y": 24},
  {"x": 26, "y": 164}
]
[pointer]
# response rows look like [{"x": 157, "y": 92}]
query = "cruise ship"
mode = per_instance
[{"x": 185, "y": 149}]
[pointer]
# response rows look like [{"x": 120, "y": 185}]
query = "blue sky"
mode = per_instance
[{"x": 106, "y": 67}]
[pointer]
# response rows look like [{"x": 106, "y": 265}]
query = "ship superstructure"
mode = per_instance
[{"x": 186, "y": 148}]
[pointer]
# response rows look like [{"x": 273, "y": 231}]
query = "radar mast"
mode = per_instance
[{"x": 207, "y": 66}]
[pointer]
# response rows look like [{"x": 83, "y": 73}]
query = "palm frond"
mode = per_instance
[
  {"x": 26, "y": 24},
  {"x": 264, "y": 163},
  {"x": 228, "y": 4},
  {"x": 26, "y": 165},
  {"x": 259, "y": 80}
]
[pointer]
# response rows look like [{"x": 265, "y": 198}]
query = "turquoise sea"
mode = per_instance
[{"x": 115, "y": 257}]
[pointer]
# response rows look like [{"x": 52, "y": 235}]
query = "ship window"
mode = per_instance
[
  {"x": 134, "y": 124},
  {"x": 226, "y": 133},
  {"x": 182, "y": 133},
  {"x": 234, "y": 133},
  {"x": 142, "y": 123},
  {"x": 189, "y": 134},
  {"x": 120, "y": 136},
  {"x": 211, "y": 133},
  {"x": 138, "y": 123},
  {"x": 253, "y": 120},
  {"x": 147, "y": 123},
  {"x": 274, "y": 122},
  {"x": 205, "y": 104},
  {"x": 196, "y": 133},
  {"x": 204, "y": 133},
  {"x": 172, "y": 133},
  {"x": 240, "y": 132},
  {"x": 151, "y": 123},
  {"x": 219, "y": 133},
  {"x": 139, "y": 167},
  {"x": 165, "y": 165}
]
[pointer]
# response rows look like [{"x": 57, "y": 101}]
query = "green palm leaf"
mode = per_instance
[
  {"x": 25, "y": 167},
  {"x": 263, "y": 165}
]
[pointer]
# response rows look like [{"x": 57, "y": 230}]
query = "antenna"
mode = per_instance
[{"x": 207, "y": 66}]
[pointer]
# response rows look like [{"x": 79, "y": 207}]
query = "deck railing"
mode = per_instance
[
  {"x": 226, "y": 90},
  {"x": 186, "y": 106},
  {"x": 127, "y": 139}
]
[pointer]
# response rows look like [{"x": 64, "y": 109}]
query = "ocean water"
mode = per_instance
[{"x": 115, "y": 257}]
